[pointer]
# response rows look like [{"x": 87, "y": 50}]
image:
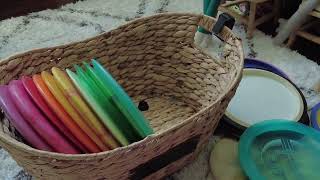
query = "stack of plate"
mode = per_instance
[
  {"x": 265, "y": 92},
  {"x": 257, "y": 64},
  {"x": 68, "y": 112},
  {"x": 315, "y": 117}
]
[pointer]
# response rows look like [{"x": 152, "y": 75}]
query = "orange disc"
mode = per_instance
[
  {"x": 82, "y": 107},
  {"x": 64, "y": 117},
  {"x": 61, "y": 98}
]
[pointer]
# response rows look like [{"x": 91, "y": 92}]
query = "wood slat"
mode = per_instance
[
  {"x": 315, "y": 14},
  {"x": 309, "y": 36}
]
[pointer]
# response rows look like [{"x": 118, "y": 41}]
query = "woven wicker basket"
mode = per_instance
[{"x": 154, "y": 59}]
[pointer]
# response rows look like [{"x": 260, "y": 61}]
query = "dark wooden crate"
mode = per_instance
[{"x": 13, "y": 8}]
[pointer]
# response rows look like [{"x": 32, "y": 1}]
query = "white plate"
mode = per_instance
[{"x": 264, "y": 95}]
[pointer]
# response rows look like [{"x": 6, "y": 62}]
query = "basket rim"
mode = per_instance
[
  {"x": 18, "y": 54},
  {"x": 149, "y": 139}
]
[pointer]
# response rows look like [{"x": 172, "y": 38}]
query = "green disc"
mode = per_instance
[
  {"x": 116, "y": 115},
  {"x": 123, "y": 101},
  {"x": 106, "y": 91},
  {"x": 92, "y": 100}
]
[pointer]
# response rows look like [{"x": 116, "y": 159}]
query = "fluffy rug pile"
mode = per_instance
[{"x": 85, "y": 19}]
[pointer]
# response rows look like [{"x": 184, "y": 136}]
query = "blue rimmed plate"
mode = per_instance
[
  {"x": 258, "y": 64},
  {"x": 315, "y": 117}
]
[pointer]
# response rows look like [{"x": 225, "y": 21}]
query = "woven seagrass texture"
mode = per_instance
[{"x": 154, "y": 59}]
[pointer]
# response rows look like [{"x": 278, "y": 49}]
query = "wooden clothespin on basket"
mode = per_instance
[{"x": 210, "y": 8}]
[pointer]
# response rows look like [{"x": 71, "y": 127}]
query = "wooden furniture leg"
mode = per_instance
[
  {"x": 296, "y": 20},
  {"x": 252, "y": 17},
  {"x": 303, "y": 32},
  {"x": 251, "y": 20}
]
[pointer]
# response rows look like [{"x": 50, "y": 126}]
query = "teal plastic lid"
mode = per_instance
[{"x": 280, "y": 150}]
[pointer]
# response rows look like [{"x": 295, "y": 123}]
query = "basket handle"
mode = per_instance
[{"x": 220, "y": 27}]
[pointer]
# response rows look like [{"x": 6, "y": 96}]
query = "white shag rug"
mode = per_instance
[{"x": 84, "y": 19}]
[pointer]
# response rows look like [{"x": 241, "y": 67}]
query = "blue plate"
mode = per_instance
[
  {"x": 315, "y": 117},
  {"x": 280, "y": 149},
  {"x": 257, "y": 64}
]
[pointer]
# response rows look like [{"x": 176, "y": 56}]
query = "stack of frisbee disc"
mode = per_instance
[{"x": 69, "y": 112}]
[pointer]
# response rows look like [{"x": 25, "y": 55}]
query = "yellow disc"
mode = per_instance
[
  {"x": 224, "y": 161},
  {"x": 82, "y": 107},
  {"x": 58, "y": 94}
]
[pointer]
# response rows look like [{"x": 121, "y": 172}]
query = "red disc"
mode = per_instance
[{"x": 41, "y": 103}]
